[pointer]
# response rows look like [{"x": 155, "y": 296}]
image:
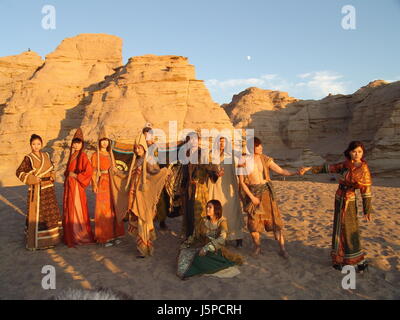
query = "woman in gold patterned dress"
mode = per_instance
[{"x": 354, "y": 174}]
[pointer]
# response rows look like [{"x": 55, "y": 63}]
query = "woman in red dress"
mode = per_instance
[
  {"x": 76, "y": 221},
  {"x": 107, "y": 228}
]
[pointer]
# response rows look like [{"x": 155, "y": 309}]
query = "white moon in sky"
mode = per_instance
[{"x": 248, "y": 58}]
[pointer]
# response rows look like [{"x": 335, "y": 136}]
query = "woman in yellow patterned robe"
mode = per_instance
[{"x": 145, "y": 182}]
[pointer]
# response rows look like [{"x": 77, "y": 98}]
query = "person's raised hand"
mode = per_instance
[{"x": 303, "y": 170}]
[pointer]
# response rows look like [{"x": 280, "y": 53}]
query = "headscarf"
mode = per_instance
[{"x": 139, "y": 141}]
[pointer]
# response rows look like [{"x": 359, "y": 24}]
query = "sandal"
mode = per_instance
[
  {"x": 163, "y": 225},
  {"x": 362, "y": 267},
  {"x": 108, "y": 244},
  {"x": 337, "y": 267}
]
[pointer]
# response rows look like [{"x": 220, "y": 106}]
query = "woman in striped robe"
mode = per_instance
[{"x": 43, "y": 221}]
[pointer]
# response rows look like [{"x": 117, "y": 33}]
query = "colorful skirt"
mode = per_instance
[{"x": 346, "y": 246}]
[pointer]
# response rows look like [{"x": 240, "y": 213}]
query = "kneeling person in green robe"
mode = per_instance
[{"x": 205, "y": 252}]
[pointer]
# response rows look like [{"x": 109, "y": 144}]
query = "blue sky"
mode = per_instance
[{"x": 289, "y": 45}]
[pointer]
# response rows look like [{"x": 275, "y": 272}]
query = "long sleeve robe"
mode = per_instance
[
  {"x": 346, "y": 246},
  {"x": 43, "y": 219},
  {"x": 76, "y": 221},
  {"x": 107, "y": 226}
]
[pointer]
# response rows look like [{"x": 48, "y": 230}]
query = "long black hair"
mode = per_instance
[
  {"x": 109, "y": 144},
  {"x": 76, "y": 140}
]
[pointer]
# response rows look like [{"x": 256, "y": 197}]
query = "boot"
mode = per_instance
[{"x": 163, "y": 225}]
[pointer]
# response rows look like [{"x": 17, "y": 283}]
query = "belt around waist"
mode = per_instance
[{"x": 344, "y": 187}]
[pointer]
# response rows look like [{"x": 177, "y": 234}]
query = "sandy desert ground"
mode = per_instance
[{"x": 307, "y": 208}]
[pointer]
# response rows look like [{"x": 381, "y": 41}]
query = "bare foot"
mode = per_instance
[
  {"x": 256, "y": 252},
  {"x": 283, "y": 253}
]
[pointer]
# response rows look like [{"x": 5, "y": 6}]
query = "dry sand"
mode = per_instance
[{"x": 307, "y": 208}]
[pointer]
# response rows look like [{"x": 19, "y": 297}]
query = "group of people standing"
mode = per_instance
[
  {"x": 212, "y": 197},
  {"x": 44, "y": 226}
]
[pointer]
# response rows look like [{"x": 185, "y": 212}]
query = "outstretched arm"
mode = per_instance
[
  {"x": 334, "y": 168},
  {"x": 274, "y": 167}
]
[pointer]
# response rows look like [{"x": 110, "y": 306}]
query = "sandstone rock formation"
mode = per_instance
[
  {"x": 253, "y": 100},
  {"x": 152, "y": 89},
  {"x": 13, "y": 71},
  {"x": 309, "y": 130},
  {"x": 49, "y": 101},
  {"x": 148, "y": 89},
  {"x": 84, "y": 84}
]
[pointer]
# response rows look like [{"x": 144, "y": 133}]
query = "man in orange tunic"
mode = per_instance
[{"x": 76, "y": 222}]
